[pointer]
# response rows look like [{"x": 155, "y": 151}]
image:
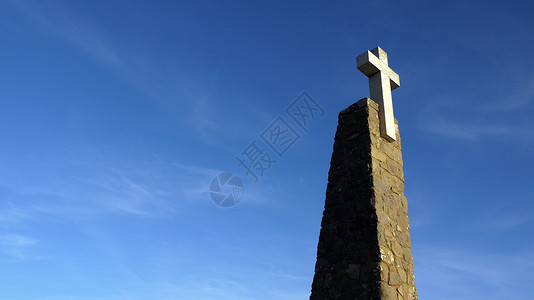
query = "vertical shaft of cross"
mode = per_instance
[{"x": 380, "y": 89}]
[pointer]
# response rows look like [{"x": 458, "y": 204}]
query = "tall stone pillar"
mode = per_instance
[{"x": 364, "y": 249}]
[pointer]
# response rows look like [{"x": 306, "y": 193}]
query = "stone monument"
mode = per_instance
[{"x": 364, "y": 249}]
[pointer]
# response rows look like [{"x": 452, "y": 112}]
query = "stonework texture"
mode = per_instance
[{"x": 364, "y": 249}]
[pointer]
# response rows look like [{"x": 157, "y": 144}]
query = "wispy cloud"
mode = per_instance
[
  {"x": 16, "y": 246},
  {"x": 11, "y": 214},
  {"x": 454, "y": 273},
  {"x": 469, "y": 131},
  {"x": 54, "y": 19},
  {"x": 181, "y": 93},
  {"x": 502, "y": 115},
  {"x": 509, "y": 214},
  {"x": 79, "y": 184},
  {"x": 472, "y": 123},
  {"x": 520, "y": 98}
]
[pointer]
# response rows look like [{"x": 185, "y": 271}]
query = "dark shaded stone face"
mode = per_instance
[{"x": 364, "y": 249}]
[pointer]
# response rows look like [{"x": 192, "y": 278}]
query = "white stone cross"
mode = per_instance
[{"x": 382, "y": 80}]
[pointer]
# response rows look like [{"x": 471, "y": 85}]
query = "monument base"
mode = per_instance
[{"x": 364, "y": 249}]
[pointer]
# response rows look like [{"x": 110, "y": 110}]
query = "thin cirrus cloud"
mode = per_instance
[
  {"x": 465, "y": 272},
  {"x": 85, "y": 185},
  {"x": 176, "y": 91},
  {"x": 16, "y": 246},
  {"x": 55, "y": 20},
  {"x": 517, "y": 100},
  {"x": 185, "y": 96},
  {"x": 501, "y": 117},
  {"x": 469, "y": 123}
]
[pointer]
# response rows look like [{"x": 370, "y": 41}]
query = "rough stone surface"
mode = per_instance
[{"x": 364, "y": 249}]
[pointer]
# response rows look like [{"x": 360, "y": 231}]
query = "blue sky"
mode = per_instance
[{"x": 115, "y": 117}]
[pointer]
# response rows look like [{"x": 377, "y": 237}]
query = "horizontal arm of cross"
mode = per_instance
[{"x": 369, "y": 64}]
